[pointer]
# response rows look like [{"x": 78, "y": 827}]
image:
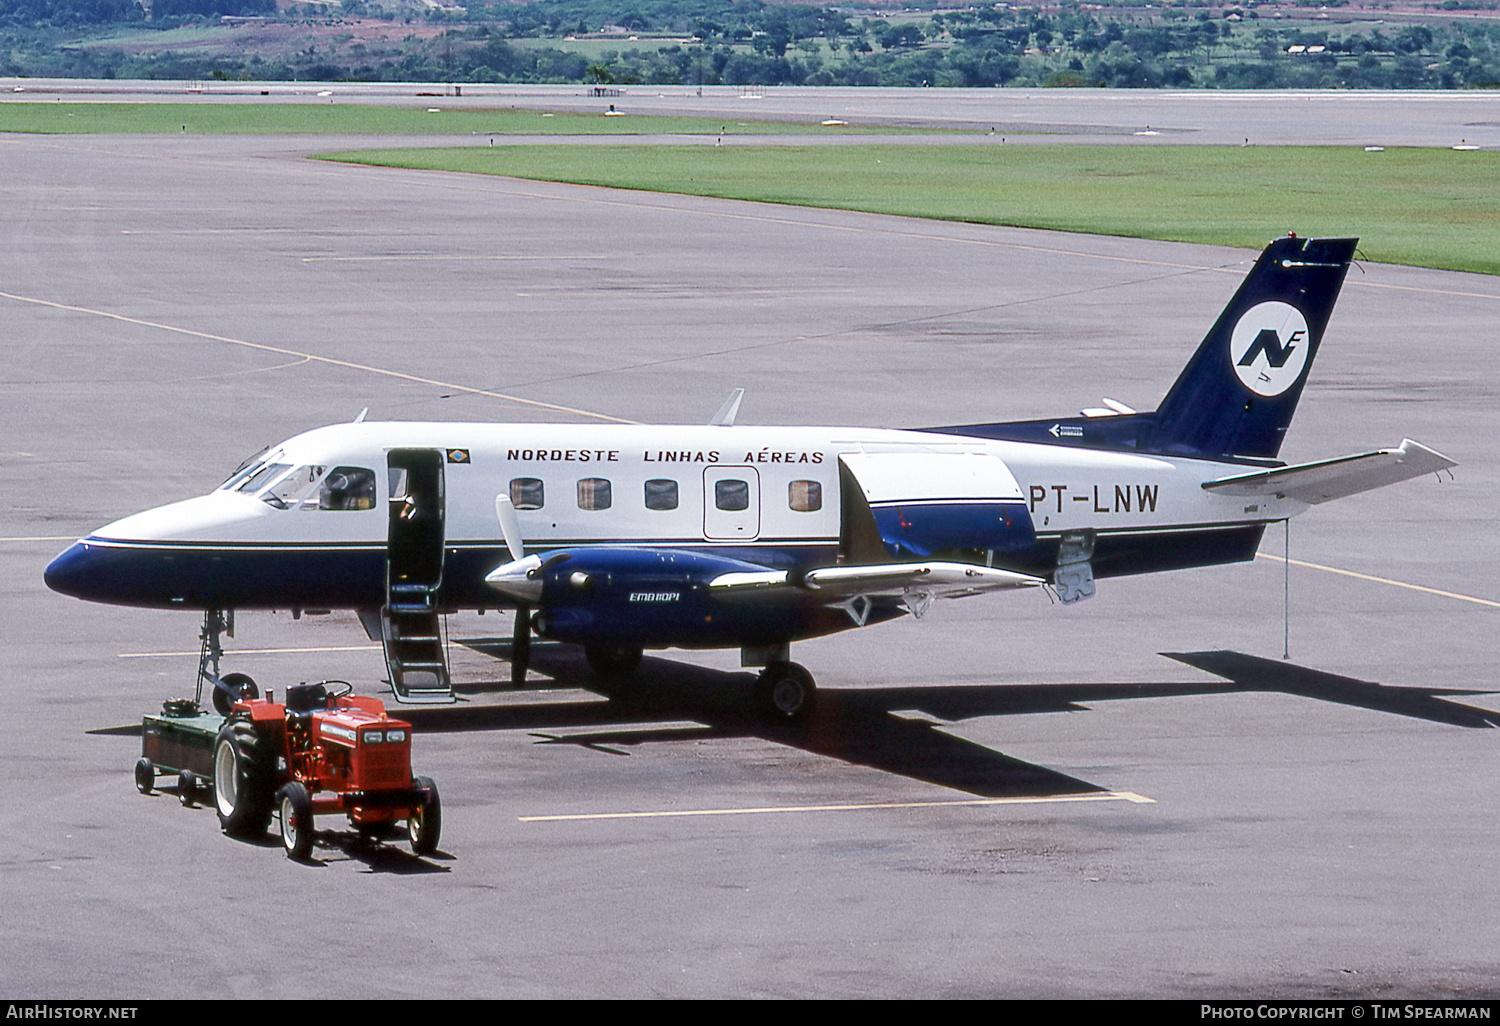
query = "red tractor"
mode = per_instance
[{"x": 324, "y": 750}]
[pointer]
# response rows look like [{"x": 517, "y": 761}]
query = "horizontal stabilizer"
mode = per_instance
[
  {"x": 834, "y": 583},
  {"x": 1334, "y": 479}
]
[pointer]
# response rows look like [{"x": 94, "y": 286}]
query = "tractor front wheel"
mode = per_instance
[
  {"x": 296, "y": 820},
  {"x": 425, "y": 824}
]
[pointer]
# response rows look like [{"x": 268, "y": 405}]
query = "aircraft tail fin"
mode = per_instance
[{"x": 1237, "y": 394}]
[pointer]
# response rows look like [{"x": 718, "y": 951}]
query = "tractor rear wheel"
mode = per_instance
[
  {"x": 425, "y": 824},
  {"x": 244, "y": 778}
]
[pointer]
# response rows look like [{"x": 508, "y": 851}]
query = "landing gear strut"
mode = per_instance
[
  {"x": 785, "y": 692},
  {"x": 232, "y": 686}
]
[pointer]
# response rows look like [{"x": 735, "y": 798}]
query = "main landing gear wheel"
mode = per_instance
[
  {"x": 296, "y": 820},
  {"x": 424, "y": 826},
  {"x": 785, "y": 693},
  {"x": 244, "y": 776},
  {"x": 613, "y": 662},
  {"x": 240, "y": 685}
]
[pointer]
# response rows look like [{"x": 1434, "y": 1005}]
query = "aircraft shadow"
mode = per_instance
[
  {"x": 1252, "y": 673},
  {"x": 863, "y": 726}
]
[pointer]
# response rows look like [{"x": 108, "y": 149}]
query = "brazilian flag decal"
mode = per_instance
[{"x": 458, "y": 455}]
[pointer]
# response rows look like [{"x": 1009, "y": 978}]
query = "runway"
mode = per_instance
[
  {"x": 1318, "y": 826},
  {"x": 1150, "y": 117}
]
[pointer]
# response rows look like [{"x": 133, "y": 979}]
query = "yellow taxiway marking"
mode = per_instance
[
  {"x": 1379, "y": 580},
  {"x": 1102, "y": 796},
  {"x": 253, "y": 651},
  {"x": 312, "y": 357}
]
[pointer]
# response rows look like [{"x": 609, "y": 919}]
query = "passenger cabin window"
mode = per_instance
[
  {"x": 526, "y": 493},
  {"x": 732, "y": 496},
  {"x": 661, "y": 494},
  {"x": 805, "y": 496},
  {"x": 347, "y": 488},
  {"x": 593, "y": 493}
]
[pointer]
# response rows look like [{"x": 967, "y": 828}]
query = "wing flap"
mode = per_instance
[
  {"x": 833, "y": 584},
  {"x": 1336, "y": 478}
]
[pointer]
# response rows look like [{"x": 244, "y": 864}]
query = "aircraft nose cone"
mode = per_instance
[{"x": 71, "y": 572}]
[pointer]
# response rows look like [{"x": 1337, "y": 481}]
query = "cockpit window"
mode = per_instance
[{"x": 348, "y": 488}]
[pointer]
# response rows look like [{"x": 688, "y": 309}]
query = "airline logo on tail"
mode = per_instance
[{"x": 1269, "y": 348}]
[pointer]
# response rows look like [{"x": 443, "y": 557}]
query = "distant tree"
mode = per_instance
[
  {"x": 68, "y": 12},
  {"x": 909, "y": 34}
]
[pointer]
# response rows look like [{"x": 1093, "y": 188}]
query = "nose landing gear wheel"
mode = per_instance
[
  {"x": 785, "y": 693},
  {"x": 241, "y": 685}
]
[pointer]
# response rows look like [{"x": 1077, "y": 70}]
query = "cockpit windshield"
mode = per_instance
[
  {"x": 309, "y": 486},
  {"x": 245, "y": 469},
  {"x": 262, "y": 476}
]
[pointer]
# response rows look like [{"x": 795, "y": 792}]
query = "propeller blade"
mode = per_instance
[
  {"x": 520, "y": 647},
  {"x": 510, "y": 526}
]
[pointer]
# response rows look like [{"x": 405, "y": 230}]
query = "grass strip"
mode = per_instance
[
  {"x": 1424, "y": 207},
  {"x": 276, "y": 117}
]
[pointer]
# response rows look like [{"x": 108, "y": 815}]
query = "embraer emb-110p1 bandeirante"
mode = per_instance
[{"x": 621, "y": 539}]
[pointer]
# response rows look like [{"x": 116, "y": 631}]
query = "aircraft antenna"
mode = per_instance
[{"x": 730, "y": 410}]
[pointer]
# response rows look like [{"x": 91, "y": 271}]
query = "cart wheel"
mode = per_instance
[
  {"x": 145, "y": 775},
  {"x": 425, "y": 824},
  {"x": 187, "y": 788},
  {"x": 296, "y": 820}
]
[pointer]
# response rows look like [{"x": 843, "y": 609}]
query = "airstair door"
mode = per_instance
[{"x": 411, "y": 630}]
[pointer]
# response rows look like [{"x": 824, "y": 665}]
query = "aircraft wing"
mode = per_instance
[
  {"x": 1334, "y": 479},
  {"x": 882, "y": 580}
]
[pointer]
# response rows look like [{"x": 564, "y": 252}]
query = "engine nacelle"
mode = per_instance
[{"x": 659, "y": 598}]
